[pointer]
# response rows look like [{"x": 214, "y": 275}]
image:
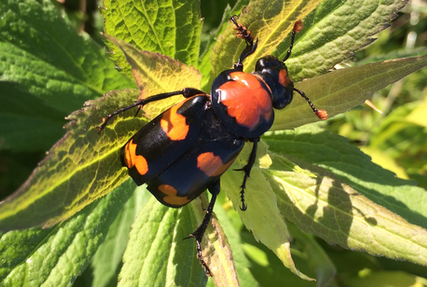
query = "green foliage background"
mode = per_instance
[{"x": 395, "y": 140}]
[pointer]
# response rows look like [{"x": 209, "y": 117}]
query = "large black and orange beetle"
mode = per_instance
[{"x": 186, "y": 149}]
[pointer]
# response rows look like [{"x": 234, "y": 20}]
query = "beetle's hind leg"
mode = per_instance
[{"x": 214, "y": 189}]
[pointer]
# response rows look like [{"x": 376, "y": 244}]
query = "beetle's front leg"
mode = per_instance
[
  {"x": 186, "y": 93},
  {"x": 251, "y": 45}
]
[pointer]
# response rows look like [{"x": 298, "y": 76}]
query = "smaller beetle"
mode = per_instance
[{"x": 186, "y": 149}]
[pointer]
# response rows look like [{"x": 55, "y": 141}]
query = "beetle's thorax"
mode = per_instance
[{"x": 243, "y": 103}]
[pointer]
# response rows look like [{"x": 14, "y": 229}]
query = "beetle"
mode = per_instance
[{"x": 185, "y": 150}]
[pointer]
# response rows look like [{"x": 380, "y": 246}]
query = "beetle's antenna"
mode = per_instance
[
  {"x": 297, "y": 28},
  {"x": 321, "y": 114}
]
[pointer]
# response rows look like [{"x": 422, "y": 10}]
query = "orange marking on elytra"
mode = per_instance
[
  {"x": 246, "y": 99},
  {"x": 174, "y": 124},
  {"x": 134, "y": 160},
  {"x": 211, "y": 164},
  {"x": 171, "y": 195}
]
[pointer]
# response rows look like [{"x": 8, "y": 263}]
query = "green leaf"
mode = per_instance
[
  {"x": 351, "y": 165},
  {"x": 312, "y": 252},
  {"x": 236, "y": 245},
  {"x": 334, "y": 31},
  {"x": 56, "y": 256},
  {"x": 35, "y": 119},
  {"x": 417, "y": 115},
  {"x": 341, "y": 90},
  {"x": 205, "y": 59},
  {"x": 340, "y": 215},
  {"x": 156, "y": 246},
  {"x": 401, "y": 137},
  {"x": 262, "y": 217},
  {"x": 107, "y": 261},
  {"x": 155, "y": 73},
  {"x": 386, "y": 278},
  {"x": 386, "y": 162},
  {"x": 161, "y": 230},
  {"x": 85, "y": 164},
  {"x": 80, "y": 168},
  {"x": 46, "y": 72},
  {"x": 171, "y": 28},
  {"x": 215, "y": 250},
  {"x": 49, "y": 60},
  {"x": 335, "y": 210},
  {"x": 402, "y": 124}
]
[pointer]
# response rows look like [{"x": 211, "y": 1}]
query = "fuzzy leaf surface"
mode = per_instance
[
  {"x": 341, "y": 90},
  {"x": 156, "y": 246},
  {"x": 330, "y": 208},
  {"x": 62, "y": 70},
  {"x": 108, "y": 259},
  {"x": 262, "y": 217},
  {"x": 216, "y": 249},
  {"x": 334, "y": 31},
  {"x": 171, "y": 28},
  {"x": 50, "y": 68},
  {"x": 155, "y": 73},
  {"x": 57, "y": 255}
]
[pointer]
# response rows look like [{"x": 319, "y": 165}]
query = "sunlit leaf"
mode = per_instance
[
  {"x": 334, "y": 31},
  {"x": 341, "y": 90},
  {"x": 171, "y": 28},
  {"x": 156, "y": 246},
  {"x": 55, "y": 256},
  {"x": 262, "y": 217},
  {"x": 46, "y": 72}
]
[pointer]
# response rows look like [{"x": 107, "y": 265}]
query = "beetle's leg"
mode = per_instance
[
  {"x": 187, "y": 92},
  {"x": 214, "y": 189},
  {"x": 243, "y": 33},
  {"x": 297, "y": 28},
  {"x": 247, "y": 169}
]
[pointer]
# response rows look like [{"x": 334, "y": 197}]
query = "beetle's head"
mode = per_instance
[{"x": 275, "y": 74}]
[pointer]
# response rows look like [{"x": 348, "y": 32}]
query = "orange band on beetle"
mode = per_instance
[
  {"x": 134, "y": 160},
  {"x": 211, "y": 164},
  {"x": 174, "y": 124},
  {"x": 171, "y": 195}
]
